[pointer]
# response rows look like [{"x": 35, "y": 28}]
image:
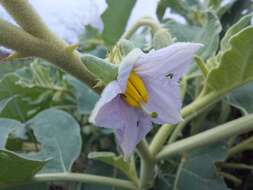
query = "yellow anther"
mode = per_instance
[
  {"x": 136, "y": 92},
  {"x": 139, "y": 85}
]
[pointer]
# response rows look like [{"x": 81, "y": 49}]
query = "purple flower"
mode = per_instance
[{"x": 146, "y": 91}]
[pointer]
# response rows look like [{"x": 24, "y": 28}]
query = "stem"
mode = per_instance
[
  {"x": 245, "y": 145},
  {"x": 147, "y": 165},
  {"x": 84, "y": 178},
  {"x": 188, "y": 112},
  {"x": 208, "y": 137},
  {"x": 230, "y": 177},
  {"x": 178, "y": 130},
  {"x": 179, "y": 169},
  {"x": 17, "y": 39},
  {"x": 161, "y": 137},
  {"x": 142, "y": 22},
  {"x": 24, "y": 14}
]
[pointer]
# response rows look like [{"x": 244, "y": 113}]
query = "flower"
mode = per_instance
[{"x": 146, "y": 91}]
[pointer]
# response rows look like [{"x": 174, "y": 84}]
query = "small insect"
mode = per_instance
[
  {"x": 138, "y": 123},
  {"x": 170, "y": 75}
]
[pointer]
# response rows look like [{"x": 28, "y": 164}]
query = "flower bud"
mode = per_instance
[{"x": 162, "y": 38}]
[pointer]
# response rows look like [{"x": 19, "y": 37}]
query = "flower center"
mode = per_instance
[{"x": 136, "y": 92}]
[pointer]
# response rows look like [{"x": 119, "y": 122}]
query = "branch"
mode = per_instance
[
  {"x": 236, "y": 127},
  {"x": 84, "y": 178},
  {"x": 25, "y": 15},
  {"x": 17, "y": 39},
  {"x": 147, "y": 165}
]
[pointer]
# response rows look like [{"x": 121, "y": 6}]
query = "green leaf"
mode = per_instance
[
  {"x": 86, "y": 98},
  {"x": 11, "y": 66},
  {"x": 6, "y": 127},
  {"x": 90, "y": 38},
  {"x": 198, "y": 171},
  {"x": 4, "y": 102},
  {"x": 115, "y": 161},
  {"x": 111, "y": 159},
  {"x": 16, "y": 169},
  {"x": 177, "y": 6},
  {"x": 104, "y": 71},
  {"x": 207, "y": 35},
  {"x": 236, "y": 66},
  {"x": 59, "y": 135},
  {"x": 234, "y": 29},
  {"x": 115, "y": 19},
  {"x": 242, "y": 98}
]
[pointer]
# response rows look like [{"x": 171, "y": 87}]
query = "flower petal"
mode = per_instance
[
  {"x": 107, "y": 110},
  {"x": 164, "y": 99},
  {"x": 126, "y": 67},
  {"x": 174, "y": 59},
  {"x": 137, "y": 125}
]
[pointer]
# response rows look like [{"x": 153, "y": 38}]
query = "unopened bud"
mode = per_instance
[{"x": 162, "y": 38}]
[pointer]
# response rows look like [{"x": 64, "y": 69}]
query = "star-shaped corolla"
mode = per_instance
[{"x": 146, "y": 91}]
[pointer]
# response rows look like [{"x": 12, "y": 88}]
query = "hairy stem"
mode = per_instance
[
  {"x": 161, "y": 137},
  {"x": 24, "y": 14},
  {"x": 208, "y": 137},
  {"x": 142, "y": 22},
  {"x": 85, "y": 178},
  {"x": 147, "y": 165},
  {"x": 17, "y": 39}
]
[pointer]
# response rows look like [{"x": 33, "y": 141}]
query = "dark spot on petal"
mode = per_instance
[
  {"x": 138, "y": 123},
  {"x": 170, "y": 75}
]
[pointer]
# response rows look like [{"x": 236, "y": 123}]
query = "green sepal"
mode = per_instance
[{"x": 104, "y": 71}]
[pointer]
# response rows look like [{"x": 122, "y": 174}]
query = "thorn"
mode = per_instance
[
  {"x": 99, "y": 84},
  {"x": 201, "y": 64},
  {"x": 13, "y": 56},
  {"x": 71, "y": 48}
]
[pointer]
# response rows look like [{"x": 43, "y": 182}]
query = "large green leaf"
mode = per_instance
[
  {"x": 207, "y": 35},
  {"x": 115, "y": 19},
  {"x": 16, "y": 169},
  {"x": 236, "y": 66},
  {"x": 59, "y": 135},
  {"x": 6, "y": 127},
  {"x": 237, "y": 27},
  {"x": 199, "y": 171}
]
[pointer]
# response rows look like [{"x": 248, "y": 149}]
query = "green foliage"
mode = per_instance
[
  {"x": 234, "y": 29},
  {"x": 59, "y": 135},
  {"x": 115, "y": 19},
  {"x": 86, "y": 97},
  {"x": 115, "y": 161},
  {"x": 236, "y": 66},
  {"x": 199, "y": 171},
  {"x": 242, "y": 98},
  {"x": 208, "y": 35},
  {"x": 42, "y": 108},
  {"x": 6, "y": 127},
  {"x": 16, "y": 169}
]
